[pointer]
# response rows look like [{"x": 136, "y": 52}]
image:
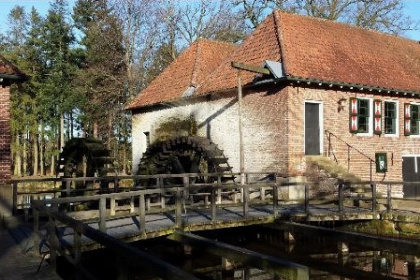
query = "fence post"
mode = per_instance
[
  {"x": 102, "y": 214},
  {"x": 77, "y": 253},
  {"x": 389, "y": 199},
  {"x": 373, "y": 185},
  {"x": 340, "y": 198},
  {"x": 246, "y": 200},
  {"x": 213, "y": 203},
  {"x": 15, "y": 197},
  {"x": 275, "y": 201},
  {"x": 112, "y": 205},
  {"x": 306, "y": 199},
  {"x": 53, "y": 240},
  {"x": 68, "y": 187},
  {"x": 142, "y": 213},
  {"x": 178, "y": 208}
]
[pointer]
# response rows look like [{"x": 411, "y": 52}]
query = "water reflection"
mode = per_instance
[{"x": 326, "y": 259}]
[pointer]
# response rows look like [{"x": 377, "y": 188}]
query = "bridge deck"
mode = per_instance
[{"x": 127, "y": 229}]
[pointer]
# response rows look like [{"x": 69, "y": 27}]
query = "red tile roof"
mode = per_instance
[
  {"x": 188, "y": 70},
  {"x": 7, "y": 68},
  {"x": 331, "y": 51},
  {"x": 308, "y": 48}
]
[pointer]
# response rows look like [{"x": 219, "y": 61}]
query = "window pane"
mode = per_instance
[
  {"x": 390, "y": 118},
  {"x": 363, "y": 105},
  {"x": 415, "y": 112},
  {"x": 363, "y": 125},
  {"x": 414, "y": 127}
]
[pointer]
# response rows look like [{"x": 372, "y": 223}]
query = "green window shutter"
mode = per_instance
[{"x": 353, "y": 118}]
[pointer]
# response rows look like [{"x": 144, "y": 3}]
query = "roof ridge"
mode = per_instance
[
  {"x": 350, "y": 25},
  {"x": 279, "y": 36}
]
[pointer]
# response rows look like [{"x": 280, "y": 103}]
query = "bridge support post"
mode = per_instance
[
  {"x": 413, "y": 267},
  {"x": 142, "y": 214},
  {"x": 178, "y": 208},
  {"x": 213, "y": 204},
  {"x": 288, "y": 237},
  {"x": 102, "y": 214},
  {"x": 227, "y": 265},
  {"x": 187, "y": 250},
  {"x": 275, "y": 201},
  {"x": 343, "y": 247},
  {"x": 122, "y": 268},
  {"x": 53, "y": 241}
]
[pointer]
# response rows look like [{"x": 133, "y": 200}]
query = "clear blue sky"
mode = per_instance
[{"x": 412, "y": 9}]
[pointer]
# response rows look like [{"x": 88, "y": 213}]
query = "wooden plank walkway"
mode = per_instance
[
  {"x": 16, "y": 264},
  {"x": 127, "y": 229}
]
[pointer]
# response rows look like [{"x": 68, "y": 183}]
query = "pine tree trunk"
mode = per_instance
[
  {"x": 18, "y": 157},
  {"x": 25, "y": 156},
  {"x": 52, "y": 167},
  {"x": 95, "y": 129},
  {"x": 41, "y": 149},
  {"x": 61, "y": 132},
  {"x": 35, "y": 153}
]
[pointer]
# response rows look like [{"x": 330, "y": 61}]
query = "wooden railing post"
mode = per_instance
[
  {"x": 389, "y": 198},
  {"x": 15, "y": 197},
  {"x": 245, "y": 189},
  {"x": 340, "y": 198},
  {"x": 373, "y": 185},
  {"x": 53, "y": 241},
  {"x": 213, "y": 203},
  {"x": 112, "y": 204},
  {"x": 68, "y": 188},
  {"x": 178, "y": 208},
  {"x": 306, "y": 199},
  {"x": 275, "y": 201},
  {"x": 102, "y": 214},
  {"x": 142, "y": 213},
  {"x": 77, "y": 253}
]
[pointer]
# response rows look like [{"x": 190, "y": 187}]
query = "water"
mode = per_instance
[{"x": 321, "y": 255}]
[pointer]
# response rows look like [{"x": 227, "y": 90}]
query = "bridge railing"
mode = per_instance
[
  {"x": 125, "y": 252},
  {"x": 258, "y": 189}
]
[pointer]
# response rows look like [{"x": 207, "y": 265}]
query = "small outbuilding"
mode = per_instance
[{"x": 9, "y": 74}]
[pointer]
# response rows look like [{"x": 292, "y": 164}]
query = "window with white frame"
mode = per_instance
[
  {"x": 411, "y": 119},
  {"x": 390, "y": 118},
  {"x": 361, "y": 115}
]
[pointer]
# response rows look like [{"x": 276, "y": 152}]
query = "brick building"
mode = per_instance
[
  {"x": 331, "y": 89},
  {"x": 9, "y": 74}
]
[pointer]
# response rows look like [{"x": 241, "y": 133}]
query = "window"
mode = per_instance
[
  {"x": 390, "y": 118},
  {"x": 361, "y": 119},
  {"x": 411, "y": 119}
]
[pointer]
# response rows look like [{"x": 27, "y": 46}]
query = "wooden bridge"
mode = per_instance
[{"x": 166, "y": 208}]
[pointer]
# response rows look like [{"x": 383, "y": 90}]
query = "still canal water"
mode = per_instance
[{"x": 318, "y": 253}]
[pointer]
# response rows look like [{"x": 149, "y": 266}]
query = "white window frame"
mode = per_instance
[
  {"x": 370, "y": 118},
  {"x": 397, "y": 133}
]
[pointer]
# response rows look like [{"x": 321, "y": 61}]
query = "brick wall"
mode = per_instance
[
  {"x": 336, "y": 120},
  {"x": 5, "y": 154},
  {"x": 273, "y": 128}
]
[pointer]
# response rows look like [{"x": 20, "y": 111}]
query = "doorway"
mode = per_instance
[{"x": 313, "y": 128}]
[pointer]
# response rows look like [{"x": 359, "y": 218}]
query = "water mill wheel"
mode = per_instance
[
  {"x": 185, "y": 154},
  {"x": 84, "y": 157}
]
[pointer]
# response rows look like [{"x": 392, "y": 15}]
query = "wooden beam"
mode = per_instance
[
  {"x": 284, "y": 268},
  {"x": 250, "y": 68},
  {"x": 382, "y": 243}
]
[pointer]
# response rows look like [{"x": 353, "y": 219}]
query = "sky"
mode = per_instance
[{"x": 412, "y": 9}]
